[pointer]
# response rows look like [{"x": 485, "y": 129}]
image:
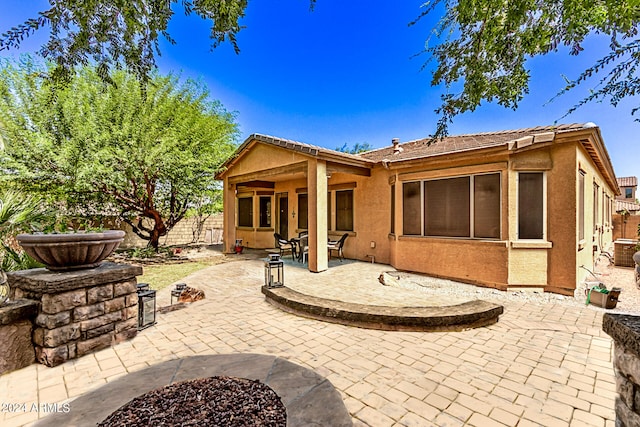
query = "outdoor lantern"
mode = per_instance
[
  {"x": 274, "y": 271},
  {"x": 177, "y": 291},
  {"x": 146, "y": 307}
]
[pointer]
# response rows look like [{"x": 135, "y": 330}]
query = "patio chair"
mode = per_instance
[
  {"x": 337, "y": 246},
  {"x": 285, "y": 245},
  {"x": 303, "y": 255}
]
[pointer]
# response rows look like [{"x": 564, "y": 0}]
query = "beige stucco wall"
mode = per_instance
[
  {"x": 594, "y": 241},
  {"x": 471, "y": 260},
  {"x": 553, "y": 262},
  {"x": 527, "y": 260},
  {"x": 258, "y": 158}
]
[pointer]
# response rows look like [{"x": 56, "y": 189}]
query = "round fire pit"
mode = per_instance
[
  {"x": 215, "y": 401},
  {"x": 71, "y": 251}
]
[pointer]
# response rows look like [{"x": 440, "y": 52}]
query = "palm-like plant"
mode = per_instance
[{"x": 18, "y": 212}]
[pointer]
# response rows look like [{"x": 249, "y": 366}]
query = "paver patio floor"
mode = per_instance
[{"x": 548, "y": 365}]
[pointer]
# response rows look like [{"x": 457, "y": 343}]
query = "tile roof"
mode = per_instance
[
  {"x": 303, "y": 147},
  {"x": 622, "y": 205},
  {"x": 454, "y": 144},
  {"x": 628, "y": 181}
]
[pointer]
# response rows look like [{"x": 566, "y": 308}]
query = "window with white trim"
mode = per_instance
[
  {"x": 466, "y": 206},
  {"x": 531, "y": 205}
]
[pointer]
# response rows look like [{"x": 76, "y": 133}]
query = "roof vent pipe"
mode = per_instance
[{"x": 396, "y": 145}]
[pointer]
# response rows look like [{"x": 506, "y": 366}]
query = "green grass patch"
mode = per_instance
[{"x": 163, "y": 275}]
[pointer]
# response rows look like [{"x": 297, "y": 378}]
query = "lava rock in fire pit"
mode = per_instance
[{"x": 215, "y": 401}]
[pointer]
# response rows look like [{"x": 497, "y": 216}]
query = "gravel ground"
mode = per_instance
[{"x": 611, "y": 276}]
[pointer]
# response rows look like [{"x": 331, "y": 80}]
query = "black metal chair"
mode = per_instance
[
  {"x": 285, "y": 245},
  {"x": 337, "y": 246}
]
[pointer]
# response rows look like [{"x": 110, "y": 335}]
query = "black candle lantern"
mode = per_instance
[
  {"x": 146, "y": 306},
  {"x": 274, "y": 271},
  {"x": 177, "y": 291}
]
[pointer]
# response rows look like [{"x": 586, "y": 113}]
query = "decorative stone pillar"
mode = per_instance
[
  {"x": 16, "y": 326},
  {"x": 625, "y": 331},
  {"x": 79, "y": 311}
]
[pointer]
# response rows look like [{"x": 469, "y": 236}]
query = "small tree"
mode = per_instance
[
  {"x": 143, "y": 155},
  {"x": 357, "y": 148}
]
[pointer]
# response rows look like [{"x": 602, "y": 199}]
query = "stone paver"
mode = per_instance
[{"x": 535, "y": 357}]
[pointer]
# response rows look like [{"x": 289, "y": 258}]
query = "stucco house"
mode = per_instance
[
  {"x": 626, "y": 201},
  {"x": 507, "y": 209}
]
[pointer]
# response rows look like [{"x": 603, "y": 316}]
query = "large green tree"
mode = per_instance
[
  {"x": 113, "y": 148},
  {"x": 481, "y": 48},
  {"x": 110, "y": 33}
]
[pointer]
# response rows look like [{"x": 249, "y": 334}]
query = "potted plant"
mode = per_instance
[
  {"x": 70, "y": 249},
  {"x": 238, "y": 246}
]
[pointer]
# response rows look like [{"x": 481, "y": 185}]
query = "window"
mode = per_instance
[
  {"x": 530, "y": 205},
  {"x": 486, "y": 206},
  {"x": 303, "y": 209},
  {"x": 596, "y": 191},
  {"x": 245, "y": 212},
  {"x": 411, "y": 213},
  {"x": 628, "y": 193},
  {"x": 467, "y": 206},
  {"x": 329, "y": 211},
  {"x": 447, "y": 207},
  {"x": 265, "y": 211},
  {"x": 581, "y": 206},
  {"x": 344, "y": 210},
  {"x": 393, "y": 208}
]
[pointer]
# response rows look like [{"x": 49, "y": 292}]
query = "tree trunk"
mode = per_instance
[{"x": 159, "y": 228}]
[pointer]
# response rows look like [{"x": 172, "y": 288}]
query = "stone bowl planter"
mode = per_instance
[{"x": 71, "y": 251}]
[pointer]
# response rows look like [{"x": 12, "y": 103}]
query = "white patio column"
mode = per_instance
[
  {"x": 317, "y": 195},
  {"x": 229, "y": 216}
]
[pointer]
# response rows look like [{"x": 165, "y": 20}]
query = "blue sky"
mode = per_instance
[{"x": 346, "y": 73}]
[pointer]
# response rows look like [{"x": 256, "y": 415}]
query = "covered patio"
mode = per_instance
[{"x": 274, "y": 185}]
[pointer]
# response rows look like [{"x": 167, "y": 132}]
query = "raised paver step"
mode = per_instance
[{"x": 468, "y": 315}]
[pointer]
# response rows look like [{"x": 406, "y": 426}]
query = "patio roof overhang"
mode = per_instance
[{"x": 337, "y": 162}]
